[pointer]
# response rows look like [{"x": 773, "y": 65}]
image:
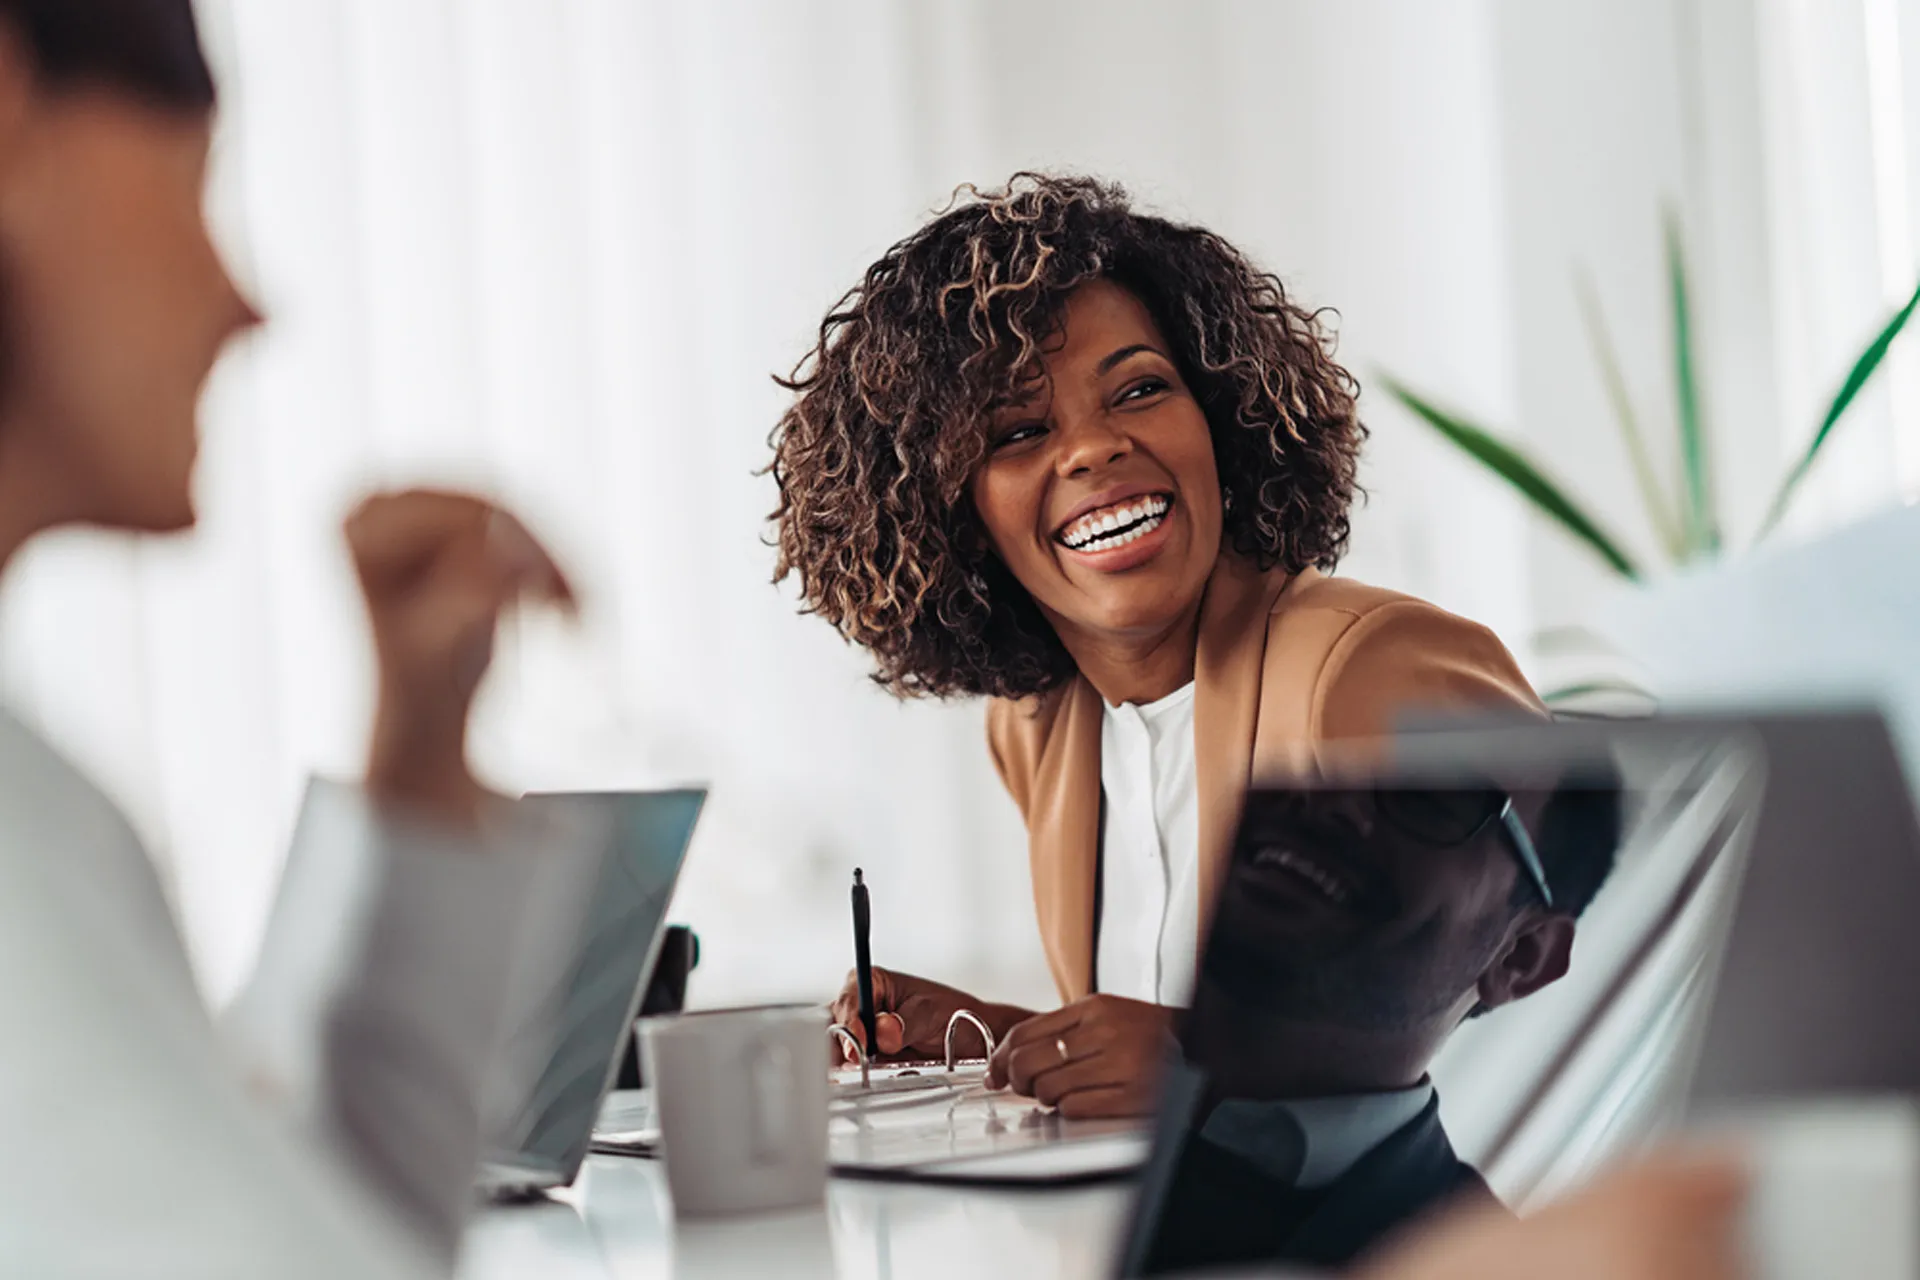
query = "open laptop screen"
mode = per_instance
[
  {"x": 620, "y": 940},
  {"x": 1391, "y": 1012}
]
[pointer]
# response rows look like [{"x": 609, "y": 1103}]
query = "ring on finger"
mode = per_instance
[{"x": 1061, "y": 1045}]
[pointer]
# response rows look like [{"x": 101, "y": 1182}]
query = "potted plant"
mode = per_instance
[{"x": 1686, "y": 525}]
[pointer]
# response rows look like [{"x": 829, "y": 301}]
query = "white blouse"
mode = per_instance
[{"x": 1150, "y": 852}]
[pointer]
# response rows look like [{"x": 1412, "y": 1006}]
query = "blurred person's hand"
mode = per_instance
[
  {"x": 1675, "y": 1217},
  {"x": 1098, "y": 1058},
  {"x": 911, "y": 1016},
  {"x": 437, "y": 570}
]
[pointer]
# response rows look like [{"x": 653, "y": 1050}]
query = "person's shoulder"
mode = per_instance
[
  {"x": 43, "y": 792},
  {"x": 1374, "y": 655},
  {"x": 70, "y": 857},
  {"x": 1470, "y": 1188},
  {"x": 1353, "y": 600},
  {"x": 1347, "y": 620}
]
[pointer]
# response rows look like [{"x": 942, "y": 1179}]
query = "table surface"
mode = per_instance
[{"x": 617, "y": 1221}]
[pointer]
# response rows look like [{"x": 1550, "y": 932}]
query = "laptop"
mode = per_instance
[
  {"x": 1788, "y": 1010},
  {"x": 1755, "y": 941},
  {"x": 548, "y": 1135},
  {"x": 1828, "y": 623}
]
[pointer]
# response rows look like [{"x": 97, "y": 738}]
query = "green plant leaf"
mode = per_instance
[
  {"x": 1702, "y": 525},
  {"x": 1653, "y": 494},
  {"x": 1571, "y": 638},
  {"x": 1510, "y": 465},
  {"x": 1857, "y": 378},
  {"x": 1587, "y": 688}
]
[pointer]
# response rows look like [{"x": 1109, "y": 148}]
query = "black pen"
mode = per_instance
[{"x": 863, "y": 962}]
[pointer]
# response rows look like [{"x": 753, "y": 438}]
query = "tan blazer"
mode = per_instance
[{"x": 1285, "y": 665}]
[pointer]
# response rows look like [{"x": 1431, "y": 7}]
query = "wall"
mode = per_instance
[{"x": 556, "y": 247}]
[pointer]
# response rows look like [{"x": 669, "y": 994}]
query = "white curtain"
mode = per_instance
[
  {"x": 555, "y": 248},
  {"x": 1839, "y": 136}
]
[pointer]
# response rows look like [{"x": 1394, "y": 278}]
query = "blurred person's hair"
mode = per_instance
[
  {"x": 147, "y": 48},
  {"x": 1579, "y": 839},
  {"x": 893, "y": 405},
  {"x": 1581, "y": 827}
]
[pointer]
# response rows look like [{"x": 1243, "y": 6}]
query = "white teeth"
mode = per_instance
[
  {"x": 1312, "y": 872},
  {"x": 1105, "y": 539},
  {"x": 1116, "y": 526}
]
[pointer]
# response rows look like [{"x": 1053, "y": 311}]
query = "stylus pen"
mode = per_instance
[{"x": 863, "y": 961}]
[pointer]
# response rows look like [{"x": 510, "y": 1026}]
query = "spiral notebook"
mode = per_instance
[{"x": 922, "y": 1122}]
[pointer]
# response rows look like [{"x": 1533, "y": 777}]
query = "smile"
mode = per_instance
[
  {"x": 1324, "y": 880},
  {"x": 1117, "y": 525}
]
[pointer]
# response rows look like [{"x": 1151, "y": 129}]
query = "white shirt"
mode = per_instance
[
  {"x": 137, "y": 1133},
  {"x": 1150, "y": 858}
]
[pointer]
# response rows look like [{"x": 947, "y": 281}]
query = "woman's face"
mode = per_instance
[
  {"x": 1100, "y": 493},
  {"x": 115, "y": 304}
]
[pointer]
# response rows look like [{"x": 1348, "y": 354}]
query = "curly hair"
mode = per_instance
[{"x": 893, "y": 404}]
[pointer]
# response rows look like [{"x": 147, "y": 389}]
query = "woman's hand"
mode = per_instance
[
  {"x": 1099, "y": 1057},
  {"x": 1672, "y": 1218},
  {"x": 437, "y": 570},
  {"x": 911, "y": 1016}
]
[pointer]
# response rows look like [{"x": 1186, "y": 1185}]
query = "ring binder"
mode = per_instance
[
  {"x": 860, "y": 1055},
  {"x": 967, "y": 1015},
  {"x": 916, "y": 1123},
  {"x": 846, "y": 1037}
]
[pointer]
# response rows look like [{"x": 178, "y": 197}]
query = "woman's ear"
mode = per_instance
[{"x": 1537, "y": 955}]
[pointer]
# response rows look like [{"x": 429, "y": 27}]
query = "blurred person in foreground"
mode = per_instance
[
  {"x": 1669, "y": 1216},
  {"x": 1675, "y": 1216},
  {"x": 1095, "y": 466},
  {"x": 137, "y": 1131}
]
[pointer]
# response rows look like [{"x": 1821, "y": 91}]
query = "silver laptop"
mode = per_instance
[
  {"x": 1758, "y": 939},
  {"x": 548, "y": 1137},
  {"x": 1806, "y": 897},
  {"x": 1827, "y": 623}
]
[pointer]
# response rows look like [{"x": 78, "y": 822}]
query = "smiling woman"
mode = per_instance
[
  {"x": 1101, "y": 495},
  {"x": 1094, "y": 465}
]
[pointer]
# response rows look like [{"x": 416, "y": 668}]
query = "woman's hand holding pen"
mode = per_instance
[
  {"x": 913, "y": 1014},
  {"x": 1098, "y": 1058}
]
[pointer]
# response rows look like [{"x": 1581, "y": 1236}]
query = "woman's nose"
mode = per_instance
[{"x": 1091, "y": 442}]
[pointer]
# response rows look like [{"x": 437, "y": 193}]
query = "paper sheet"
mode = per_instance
[{"x": 929, "y": 1124}]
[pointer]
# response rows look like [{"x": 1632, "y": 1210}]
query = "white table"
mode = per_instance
[{"x": 617, "y": 1223}]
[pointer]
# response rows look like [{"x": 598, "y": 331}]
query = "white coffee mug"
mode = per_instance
[{"x": 741, "y": 1096}]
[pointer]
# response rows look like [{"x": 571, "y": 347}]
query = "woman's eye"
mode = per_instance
[
  {"x": 1018, "y": 434},
  {"x": 1142, "y": 389}
]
